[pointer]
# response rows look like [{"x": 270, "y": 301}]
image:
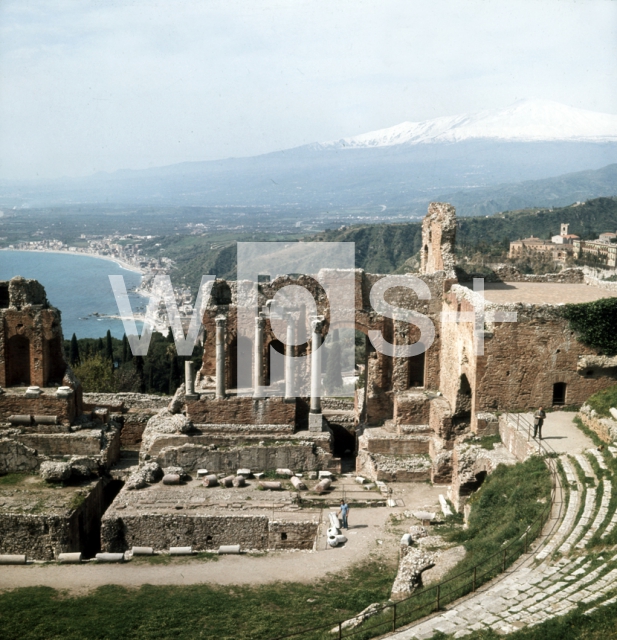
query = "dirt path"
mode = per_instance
[
  {"x": 562, "y": 434},
  {"x": 370, "y": 535}
]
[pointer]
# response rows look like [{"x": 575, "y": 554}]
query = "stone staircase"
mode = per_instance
[
  {"x": 128, "y": 462},
  {"x": 561, "y": 574}
]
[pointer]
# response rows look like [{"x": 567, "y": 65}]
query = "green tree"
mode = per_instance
[
  {"x": 74, "y": 352},
  {"x": 95, "y": 375}
]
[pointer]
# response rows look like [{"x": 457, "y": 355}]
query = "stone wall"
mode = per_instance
[
  {"x": 601, "y": 284},
  {"x": 386, "y": 468},
  {"x": 44, "y": 536},
  {"x": 131, "y": 410},
  {"x": 202, "y": 532},
  {"x": 30, "y": 336},
  {"x": 509, "y": 273},
  {"x": 287, "y": 534},
  {"x": 411, "y": 408},
  {"x": 89, "y": 442},
  {"x": 379, "y": 441},
  {"x": 605, "y": 428},
  {"x": 523, "y": 360},
  {"x": 516, "y": 441},
  {"x": 16, "y": 457},
  {"x": 301, "y": 456}
]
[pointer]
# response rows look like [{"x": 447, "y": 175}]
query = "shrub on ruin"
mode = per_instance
[
  {"x": 594, "y": 324},
  {"x": 602, "y": 401}
]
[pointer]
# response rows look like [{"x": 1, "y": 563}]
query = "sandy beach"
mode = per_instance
[{"x": 118, "y": 261}]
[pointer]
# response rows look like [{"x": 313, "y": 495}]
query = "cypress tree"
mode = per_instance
[
  {"x": 126, "y": 352},
  {"x": 174, "y": 375},
  {"x": 109, "y": 347},
  {"x": 139, "y": 368},
  {"x": 74, "y": 352},
  {"x": 100, "y": 347}
]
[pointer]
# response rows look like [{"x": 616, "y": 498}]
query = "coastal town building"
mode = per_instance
[
  {"x": 603, "y": 250},
  {"x": 560, "y": 246}
]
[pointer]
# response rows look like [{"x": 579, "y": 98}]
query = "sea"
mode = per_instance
[{"x": 79, "y": 286}]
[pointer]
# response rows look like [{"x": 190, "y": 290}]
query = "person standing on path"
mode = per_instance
[
  {"x": 344, "y": 513},
  {"x": 538, "y": 421}
]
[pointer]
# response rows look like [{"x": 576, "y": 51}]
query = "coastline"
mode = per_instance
[
  {"x": 125, "y": 265},
  {"x": 140, "y": 290}
]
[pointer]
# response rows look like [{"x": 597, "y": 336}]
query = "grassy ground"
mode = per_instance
[
  {"x": 603, "y": 401},
  {"x": 198, "y": 611}
]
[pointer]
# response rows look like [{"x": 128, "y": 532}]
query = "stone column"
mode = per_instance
[
  {"x": 290, "y": 363},
  {"x": 220, "y": 356},
  {"x": 315, "y": 415},
  {"x": 189, "y": 379},
  {"x": 258, "y": 356}
]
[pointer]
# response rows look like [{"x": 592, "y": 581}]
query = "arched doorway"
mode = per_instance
[
  {"x": 559, "y": 393},
  {"x": 464, "y": 396},
  {"x": 240, "y": 370},
  {"x": 275, "y": 367},
  {"x": 416, "y": 370},
  {"x": 54, "y": 363},
  {"x": 18, "y": 361}
]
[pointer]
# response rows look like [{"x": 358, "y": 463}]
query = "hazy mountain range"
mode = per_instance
[{"x": 533, "y": 153}]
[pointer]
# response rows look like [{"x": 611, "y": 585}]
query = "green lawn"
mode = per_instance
[{"x": 199, "y": 611}]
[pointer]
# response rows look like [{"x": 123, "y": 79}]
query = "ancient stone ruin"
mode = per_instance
[{"x": 139, "y": 470}]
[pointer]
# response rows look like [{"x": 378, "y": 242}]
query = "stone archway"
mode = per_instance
[
  {"x": 240, "y": 358},
  {"x": 275, "y": 369},
  {"x": 18, "y": 361}
]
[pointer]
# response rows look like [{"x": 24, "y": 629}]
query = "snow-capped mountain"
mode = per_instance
[
  {"x": 524, "y": 121},
  {"x": 480, "y": 162}
]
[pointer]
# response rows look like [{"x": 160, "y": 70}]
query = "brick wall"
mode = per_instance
[
  {"x": 248, "y": 411},
  {"x": 292, "y": 535},
  {"x": 46, "y": 404}
]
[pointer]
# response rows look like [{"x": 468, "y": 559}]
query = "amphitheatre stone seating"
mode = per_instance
[{"x": 561, "y": 573}]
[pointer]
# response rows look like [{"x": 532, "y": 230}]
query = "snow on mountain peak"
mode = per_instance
[{"x": 524, "y": 121}]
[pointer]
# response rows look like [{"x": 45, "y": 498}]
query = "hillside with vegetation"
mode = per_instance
[
  {"x": 390, "y": 248},
  {"x": 393, "y": 248}
]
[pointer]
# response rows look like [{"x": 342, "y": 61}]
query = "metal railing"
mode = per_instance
[{"x": 430, "y": 600}]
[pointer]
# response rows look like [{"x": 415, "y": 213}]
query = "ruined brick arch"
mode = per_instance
[
  {"x": 274, "y": 373},
  {"x": 53, "y": 361},
  {"x": 464, "y": 398},
  {"x": 18, "y": 361},
  {"x": 240, "y": 346}
]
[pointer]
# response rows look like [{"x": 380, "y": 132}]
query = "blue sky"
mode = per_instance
[{"x": 90, "y": 86}]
